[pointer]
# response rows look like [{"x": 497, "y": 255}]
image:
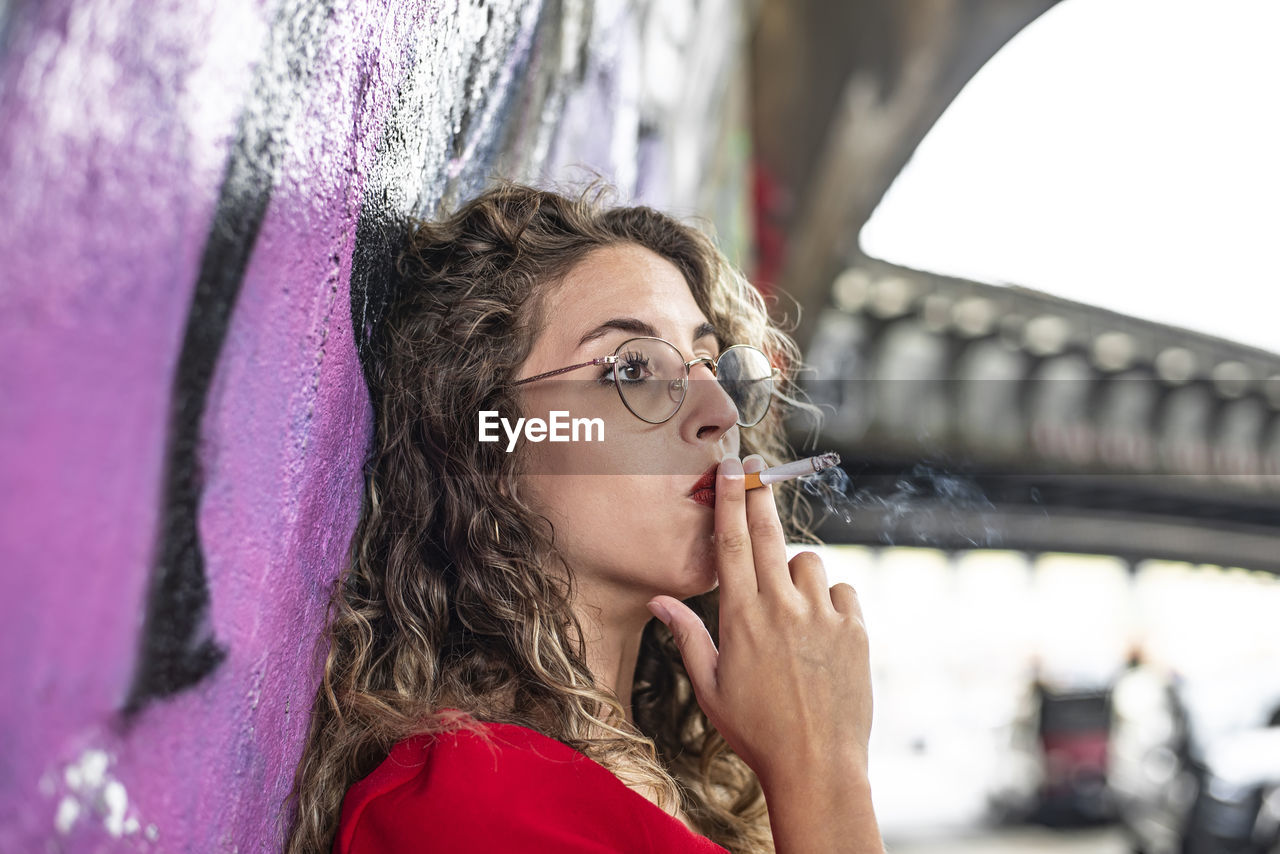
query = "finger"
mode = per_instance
[
  {"x": 810, "y": 578},
  {"x": 845, "y": 598},
  {"x": 733, "y": 540},
  {"x": 768, "y": 545},
  {"x": 697, "y": 649}
]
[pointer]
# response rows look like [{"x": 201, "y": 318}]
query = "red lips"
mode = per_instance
[{"x": 704, "y": 491}]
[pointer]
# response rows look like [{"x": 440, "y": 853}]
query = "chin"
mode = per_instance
[{"x": 699, "y": 578}]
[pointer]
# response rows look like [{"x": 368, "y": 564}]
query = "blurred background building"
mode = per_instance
[
  {"x": 1030, "y": 245},
  {"x": 1024, "y": 247}
]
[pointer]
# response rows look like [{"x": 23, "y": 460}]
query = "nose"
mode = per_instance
[{"x": 708, "y": 411}]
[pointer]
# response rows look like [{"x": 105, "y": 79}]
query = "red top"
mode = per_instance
[{"x": 526, "y": 793}]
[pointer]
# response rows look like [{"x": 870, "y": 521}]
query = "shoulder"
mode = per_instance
[{"x": 504, "y": 788}]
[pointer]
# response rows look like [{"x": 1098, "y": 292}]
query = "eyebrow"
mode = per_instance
[{"x": 639, "y": 327}]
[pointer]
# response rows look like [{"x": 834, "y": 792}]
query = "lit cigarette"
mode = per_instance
[{"x": 790, "y": 471}]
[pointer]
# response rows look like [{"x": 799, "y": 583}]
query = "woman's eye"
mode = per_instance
[{"x": 633, "y": 368}]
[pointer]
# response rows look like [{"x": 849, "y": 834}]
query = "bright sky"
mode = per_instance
[{"x": 1124, "y": 153}]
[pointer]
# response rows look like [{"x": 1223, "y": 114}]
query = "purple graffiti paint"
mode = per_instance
[
  {"x": 120, "y": 147},
  {"x": 180, "y": 189}
]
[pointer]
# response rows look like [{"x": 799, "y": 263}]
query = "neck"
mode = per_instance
[{"x": 612, "y": 635}]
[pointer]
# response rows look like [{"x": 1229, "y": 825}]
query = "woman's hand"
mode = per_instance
[{"x": 790, "y": 686}]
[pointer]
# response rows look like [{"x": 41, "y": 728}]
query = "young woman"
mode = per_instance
[{"x": 495, "y": 679}]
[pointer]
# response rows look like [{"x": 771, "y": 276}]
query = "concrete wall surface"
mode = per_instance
[{"x": 194, "y": 201}]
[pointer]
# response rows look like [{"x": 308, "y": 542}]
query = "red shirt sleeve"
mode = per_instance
[{"x": 520, "y": 791}]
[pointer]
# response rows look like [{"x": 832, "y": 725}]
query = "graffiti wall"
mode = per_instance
[{"x": 196, "y": 200}]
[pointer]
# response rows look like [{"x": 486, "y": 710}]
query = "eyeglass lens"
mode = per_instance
[{"x": 652, "y": 380}]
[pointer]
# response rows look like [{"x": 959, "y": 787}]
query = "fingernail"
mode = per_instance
[
  {"x": 660, "y": 612},
  {"x": 731, "y": 468},
  {"x": 755, "y": 462}
]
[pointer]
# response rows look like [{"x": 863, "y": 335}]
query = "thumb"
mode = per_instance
[{"x": 692, "y": 639}]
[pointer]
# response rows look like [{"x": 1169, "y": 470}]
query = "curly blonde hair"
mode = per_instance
[{"x": 445, "y": 602}]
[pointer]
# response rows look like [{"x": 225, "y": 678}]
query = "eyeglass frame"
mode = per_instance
[{"x": 614, "y": 358}]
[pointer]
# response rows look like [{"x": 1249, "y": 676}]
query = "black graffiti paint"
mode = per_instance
[
  {"x": 383, "y": 225},
  {"x": 400, "y": 183},
  {"x": 177, "y": 648}
]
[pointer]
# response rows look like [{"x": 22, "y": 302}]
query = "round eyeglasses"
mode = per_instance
[{"x": 652, "y": 378}]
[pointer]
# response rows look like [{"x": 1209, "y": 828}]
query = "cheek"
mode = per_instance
[
  {"x": 583, "y": 508},
  {"x": 622, "y": 452},
  {"x": 624, "y": 515},
  {"x": 557, "y": 463}
]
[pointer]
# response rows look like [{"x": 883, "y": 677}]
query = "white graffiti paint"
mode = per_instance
[{"x": 92, "y": 795}]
